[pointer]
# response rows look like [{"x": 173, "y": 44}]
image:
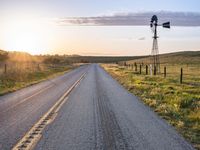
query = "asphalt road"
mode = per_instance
[
  {"x": 99, "y": 114},
  {"x": 21, "y": 109}
]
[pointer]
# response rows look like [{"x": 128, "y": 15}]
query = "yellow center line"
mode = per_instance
[{"x": 30, "y": 139}]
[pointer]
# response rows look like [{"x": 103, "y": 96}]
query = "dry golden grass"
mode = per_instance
[{"x": 22, "y": 74}]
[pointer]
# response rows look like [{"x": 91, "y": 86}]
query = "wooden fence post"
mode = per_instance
[
  {"x": 165, "y": 72},
  {"x": 125, "y": 64},
  {"x": 140, "y": 69},
  {"x": 136, "y": 67},
  {"x": 5, "y": 69},
  {"x": 146, "y": 69},
  {"x": 154, "y": 70},
  {"x": 181, "y": 76},
  {"x": 39, "y": 67}
]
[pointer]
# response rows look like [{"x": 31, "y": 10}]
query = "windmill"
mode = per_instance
[{"x": 155, "y": 62}]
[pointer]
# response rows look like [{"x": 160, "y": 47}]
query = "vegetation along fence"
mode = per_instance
[{"x": 182, "y": 73}]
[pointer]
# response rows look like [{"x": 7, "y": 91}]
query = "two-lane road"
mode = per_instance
[{"x": 99, "y": 114}]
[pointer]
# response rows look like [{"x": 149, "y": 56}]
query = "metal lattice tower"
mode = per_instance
[
  {"x": 155, "y": 62},
  {"x": 155, "y": 52}
]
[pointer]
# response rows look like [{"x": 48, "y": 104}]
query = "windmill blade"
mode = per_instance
[
  {"x": 154, "y": 19},
  {"x": 153, "y": 23}
]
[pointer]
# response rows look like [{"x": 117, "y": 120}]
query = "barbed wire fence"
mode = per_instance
[{"x": 183, "y": 73}]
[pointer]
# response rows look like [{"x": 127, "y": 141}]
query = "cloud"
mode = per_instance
[
  {"x": 141, "y": 39},
  {"x": 135, "y": 19}
]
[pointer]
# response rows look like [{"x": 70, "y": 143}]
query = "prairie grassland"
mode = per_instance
[
  {"x": 19, "y": 75},
  {"x": 177, "y": 103}
]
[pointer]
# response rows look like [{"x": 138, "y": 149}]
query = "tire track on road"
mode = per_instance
[{"x": 110, "y": 131}]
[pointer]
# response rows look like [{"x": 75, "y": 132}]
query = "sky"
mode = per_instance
[{"x": 97, "y": 27}]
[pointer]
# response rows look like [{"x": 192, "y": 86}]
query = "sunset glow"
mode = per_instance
[
  {"x": 30, "y": 35},
  {"x": 34, "y": 28}
]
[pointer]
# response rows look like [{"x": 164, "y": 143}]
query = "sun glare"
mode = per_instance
[{"x": 26, "y": 35}]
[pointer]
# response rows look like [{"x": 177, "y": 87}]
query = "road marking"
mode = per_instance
[
  {"x": 25, "y": 99},
  {"x": 31, "y": 138}
]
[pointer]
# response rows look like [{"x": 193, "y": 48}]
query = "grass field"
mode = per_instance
[
  {"x": 178, "y": 103},
  {"x": 185, "y": 57},
  {"x": 19, "y": 75}
]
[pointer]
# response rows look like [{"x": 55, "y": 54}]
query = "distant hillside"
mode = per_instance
[
  {"x": 102, "y": 59},
  {"x": 185, "y": 57},
  {"x": 26, "y": 57}
]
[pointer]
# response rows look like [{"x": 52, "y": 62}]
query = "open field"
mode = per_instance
[
  {"x": 19, "y": 75},
  {"x": 20, "y": 69},
  {"x": 178, "y": 103},
  {"x": 185, "y": 57}
]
